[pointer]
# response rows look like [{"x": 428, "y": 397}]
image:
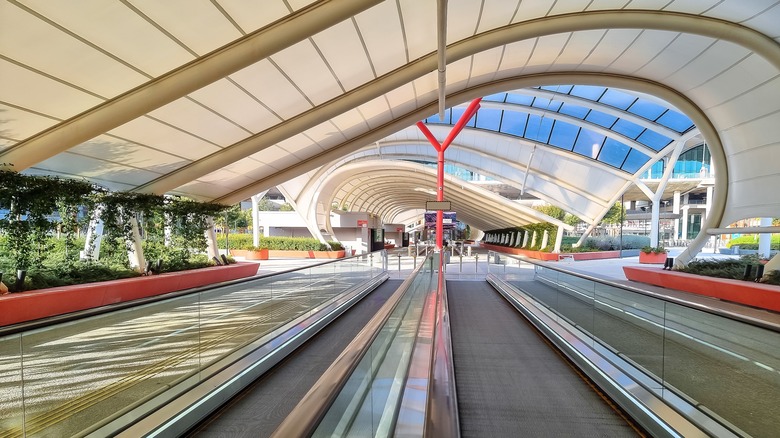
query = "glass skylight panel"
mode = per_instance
[
  {"x": 550, "y": 105},
  {"x": 563, "y": 89},
  {"x": 514, "y": 123},
  {"x": 654, "y": 140},
  {"x": 488, "y": 119},
  {"x": 538, "y": 128},
  {"x": 601, "y": 119},
  {"x": 498, "y": 97},
  {"x": 520, "y": 99},
  {"x": 614, "y": 152},
  {"x": 618, "y": 99},
  {"x": 634, "y": 161},
  {"x": 574, "y": 110},
  {"x": 676, "y": 121},
  {"x": 629, "y": 129},
  {"x": 435, "y": 118},
  {"x": 457, "y": 112},
  {"x": 589, "y": 144},
  {"x": 563, "y": 135},
  {"x": 590, "y": 92},
  {"x": 646, "y": 109}
]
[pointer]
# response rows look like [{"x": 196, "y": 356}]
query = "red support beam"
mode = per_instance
[{"x": 440, "y": 148}]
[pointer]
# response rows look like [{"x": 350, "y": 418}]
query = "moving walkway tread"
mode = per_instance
[
  {"x": 510, "y": 382},
  {"x": 261, "y": 407}
]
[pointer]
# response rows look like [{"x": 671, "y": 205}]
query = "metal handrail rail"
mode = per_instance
[
  {"x": 308, "y": 413},
  {"x": 770, "y": 325},
  {"x": 57, "y": 319},
  {"x": 442, "y": 418}
]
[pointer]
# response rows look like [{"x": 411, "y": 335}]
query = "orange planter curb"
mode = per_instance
[
  {"x": 44, "y": 303},
  {"x": 759, "y": 295},
  {"x": 553, "y": 257},
  {"x": 278, "y": 253},
  {"x": 652, "y": 258}
]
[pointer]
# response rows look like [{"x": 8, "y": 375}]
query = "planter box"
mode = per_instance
[
  {"x": 551, "y": 256},
  {"x": 238, "y": 252},
  {"x": 257, "y": 255},
  {"x": 759, "y": 295},
  {"x": 284, "y": 254},
  {"x": 44, "y": 303},
  {"x": 652, "y": 258}
]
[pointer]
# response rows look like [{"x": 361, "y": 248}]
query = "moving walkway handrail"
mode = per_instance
[
  {"x": 442, "y": 418},
  {"x": 764, "y": 323},
  {"x": 306, "y": 416}
]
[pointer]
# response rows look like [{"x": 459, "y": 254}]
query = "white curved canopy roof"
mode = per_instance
[{"x": 222, "y": 99}]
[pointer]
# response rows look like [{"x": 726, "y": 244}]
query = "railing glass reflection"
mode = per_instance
[
  {"x": 368, "y": 403},
  {"x": 729, "y": 368},
  {"x": 72, "y": 378}
]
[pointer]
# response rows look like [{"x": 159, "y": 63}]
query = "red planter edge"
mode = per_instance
[
  {"x": 759, "y": 295},
  {"x": 44, "y": 303},
  {"x": 278, "y": 253},
  {"x": 553, "y": 257},
  {"x": 652, "y": 258}
]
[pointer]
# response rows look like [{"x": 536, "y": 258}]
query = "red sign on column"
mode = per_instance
[{"x": 362, "y": 223}]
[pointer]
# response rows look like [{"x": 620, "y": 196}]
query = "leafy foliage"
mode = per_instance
[
  {"x": 615, "y": 215},
  {"x": 244, "y": 241},
  {"x": 750, "y": 241},
  {"x": 40, "y": 205},
  {"x": 654, "y": 250}
]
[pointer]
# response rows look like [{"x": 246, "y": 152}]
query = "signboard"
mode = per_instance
[
  {"x": 448, "y": 219},
  {"x": 438, "y": 205},
  {"x": 362, "y": 223}
]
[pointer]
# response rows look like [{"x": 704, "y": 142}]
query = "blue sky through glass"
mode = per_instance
[{"x": 581, "y": 140}]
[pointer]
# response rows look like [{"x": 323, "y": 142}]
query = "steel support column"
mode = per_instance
[{"x": 440, "y": 148}]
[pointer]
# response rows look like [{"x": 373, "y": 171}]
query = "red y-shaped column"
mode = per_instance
[{"x": 440, "y": 148}]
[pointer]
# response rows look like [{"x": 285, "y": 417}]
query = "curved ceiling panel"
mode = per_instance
[{"x": 222, "y": 99}]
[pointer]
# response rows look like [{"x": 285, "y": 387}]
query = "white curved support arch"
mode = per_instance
[{"x": 609, "y": 19}]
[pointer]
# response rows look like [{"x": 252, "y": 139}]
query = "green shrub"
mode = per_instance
[
  {"x": 727, "y": 268},
  {"x": 67, "y": 273},
  {"x": 750, "y": 241},
  {"x": 335, "y": 246},
  {"x": 654, "y": 249},
  {"x": 236, "y": 241},
  {"x": 245, "y": 241},
  {"x": 773, "y": 277}
]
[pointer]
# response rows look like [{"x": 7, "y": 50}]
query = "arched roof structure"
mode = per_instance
[{"x": 222, "y": 99}]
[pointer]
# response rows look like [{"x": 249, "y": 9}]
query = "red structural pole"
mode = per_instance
[{"x": 440, "y": 148}]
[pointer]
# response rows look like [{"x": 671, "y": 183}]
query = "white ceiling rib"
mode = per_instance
[{"x": 81, "y": 98}]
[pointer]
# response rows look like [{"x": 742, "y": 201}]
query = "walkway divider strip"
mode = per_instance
[{"x": 306, "y": 416}]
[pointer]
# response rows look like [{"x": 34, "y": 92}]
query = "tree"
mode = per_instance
[
  {"x": 265, "y": 204},
  {"x": 615, "y": 215},
  {"x": 286, "y": 207},
  {"x": 571, "y": 219},
  {"x": 552, "y": 211}
]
